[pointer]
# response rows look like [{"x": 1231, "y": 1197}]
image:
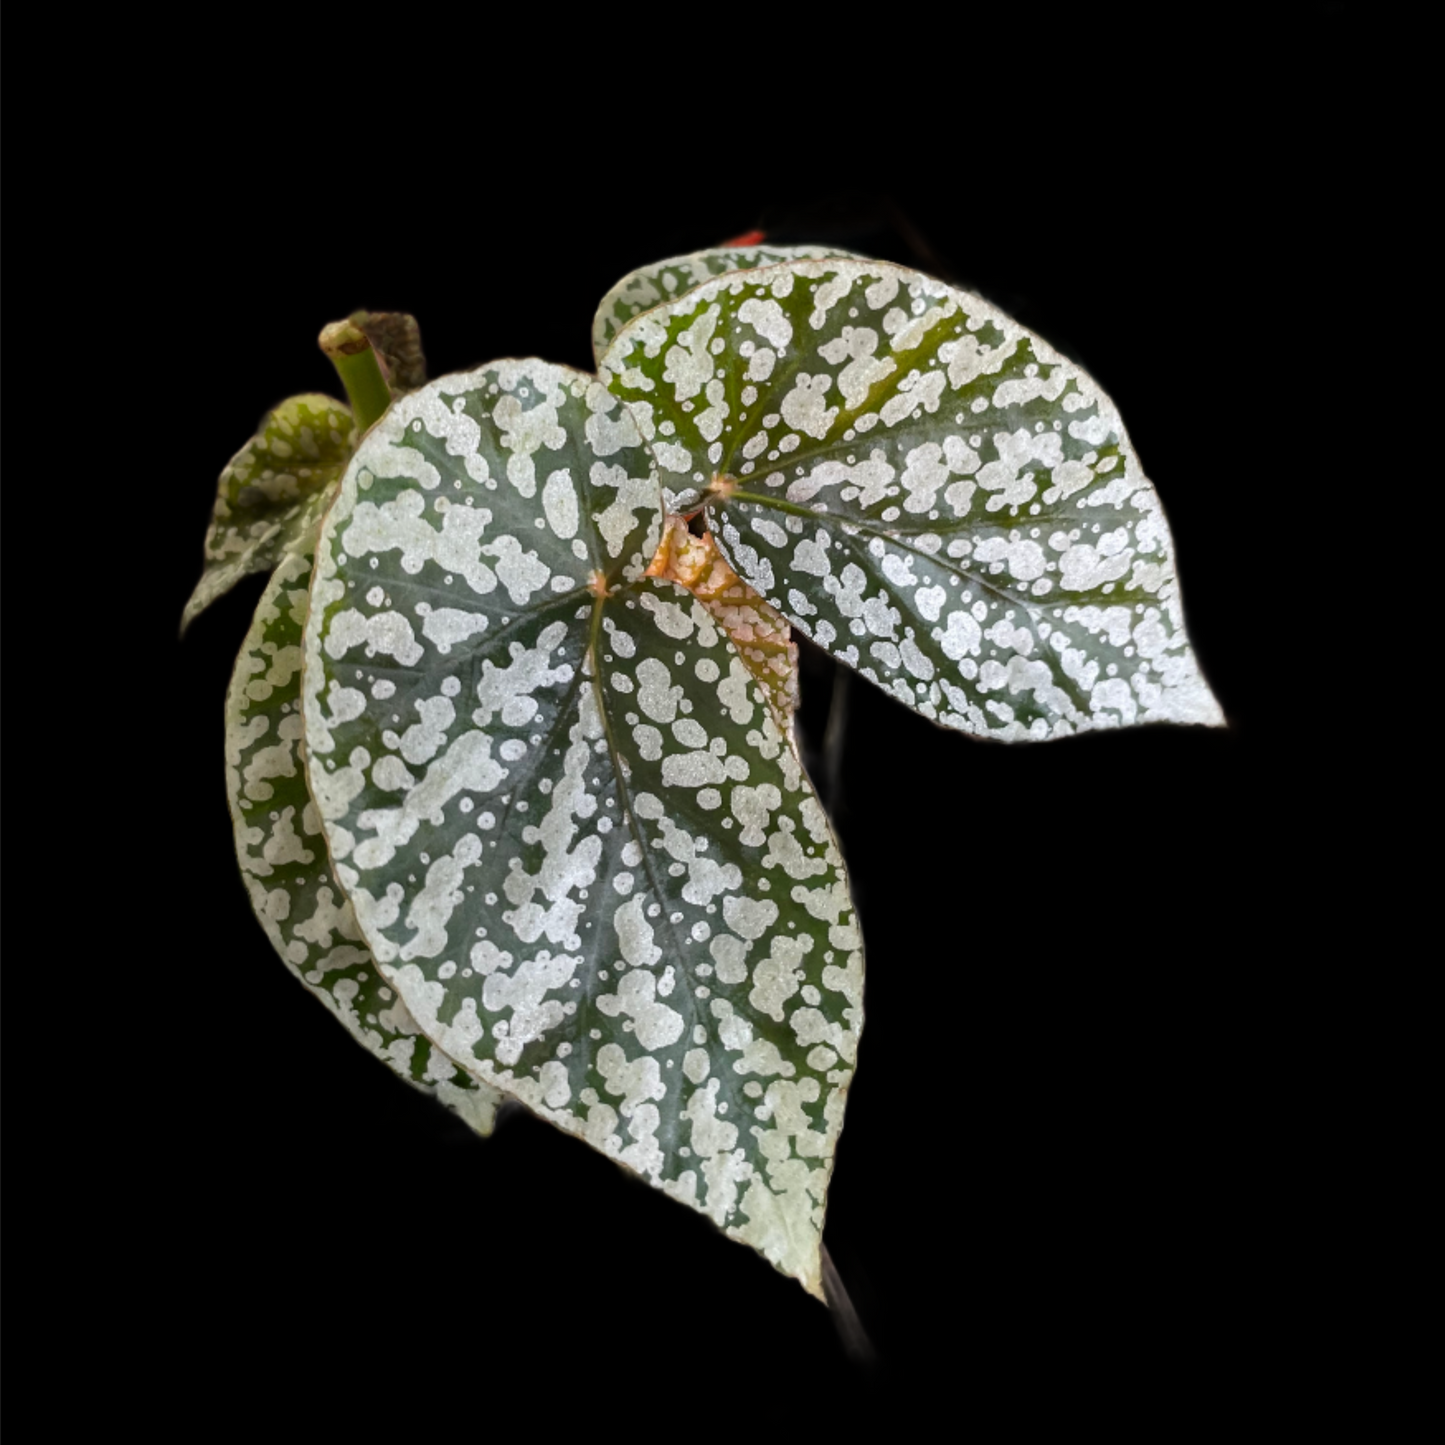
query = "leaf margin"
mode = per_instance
[{"x": 351, "y": 989}]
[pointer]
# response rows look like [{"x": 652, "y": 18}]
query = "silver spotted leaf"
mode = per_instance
[
  {"x": 573, "y": 834},
  {"x": 283, "y": 854},
  {"x": 650, "y": 286},
  {"x": 925, "y": 489},
  {"x": 272, "y": 493}
]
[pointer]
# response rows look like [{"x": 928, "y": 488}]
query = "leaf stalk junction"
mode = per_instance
[{"x": 356, "y": 364}]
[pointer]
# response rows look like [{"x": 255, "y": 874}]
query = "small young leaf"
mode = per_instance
[
  {"x": 650, "y": 286},
  {"x": 396, "y": 339},
  {"x": 283, "y": 855},
  {"x": 924, "y": 488},
  {"x": 575, "y": 839},
  {"x": 272, "y": 493}
]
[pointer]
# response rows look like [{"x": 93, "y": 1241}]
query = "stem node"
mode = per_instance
[{"x": 360, "y": 372}]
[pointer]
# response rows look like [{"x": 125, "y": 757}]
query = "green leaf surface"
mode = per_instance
[
  {"x": 650, "y": 286},
  {"x": 272, "y": 493},
  {"x": 283, "y": 854},
  {"x": 925, "y": 488},
  {"x": 574, "y": 836}
]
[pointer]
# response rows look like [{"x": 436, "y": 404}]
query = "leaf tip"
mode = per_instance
[{"x": 189, "y": 613}]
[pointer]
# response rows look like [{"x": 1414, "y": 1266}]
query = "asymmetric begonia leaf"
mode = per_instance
[
  {"x": 272, "y": 493},
  {"x": 924, "y": 488},
  {"x": 283, "y": 855},
  {"x": 650, "y": 286},
  {"x": 576, "y": 841}
]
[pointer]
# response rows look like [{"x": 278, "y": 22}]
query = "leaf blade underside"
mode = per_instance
[
  {"x": 925, "y": 489},
  {"x": 576, "y": 840}
]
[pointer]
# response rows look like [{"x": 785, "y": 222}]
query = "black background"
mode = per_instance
[{"x": 1058, "y": 1188}]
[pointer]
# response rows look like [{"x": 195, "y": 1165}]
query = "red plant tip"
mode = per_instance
[{"x": 748, "y": 238}]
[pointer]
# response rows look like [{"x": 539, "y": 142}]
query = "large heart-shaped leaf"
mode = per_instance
[
  {"x": 924, "y": 488},
  {"x": 576, "y": 840},
  {"x": 272, "y": 493},
  {"x": 650, "y": 286},
  {"x": 283, "y": 855}
]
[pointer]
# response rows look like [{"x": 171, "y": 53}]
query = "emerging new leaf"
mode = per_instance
[
  {"x": 576, "y": 841},
  {"x": 272, "y": 493},
  {"x": 924, "y": 488},
  {"x": 650, "y": 286},
  {"x": 283, "y": 856},
  {"x": 396, "y": 339}
]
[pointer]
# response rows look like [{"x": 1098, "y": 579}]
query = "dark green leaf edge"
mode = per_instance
[{"x": 283, "y": 860}]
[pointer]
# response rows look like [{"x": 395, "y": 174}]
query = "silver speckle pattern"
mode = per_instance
[
  {"x": 577, "y": 842},
  {"x": 926, "y": 489},
  {"x": 283, "y": 855}
]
